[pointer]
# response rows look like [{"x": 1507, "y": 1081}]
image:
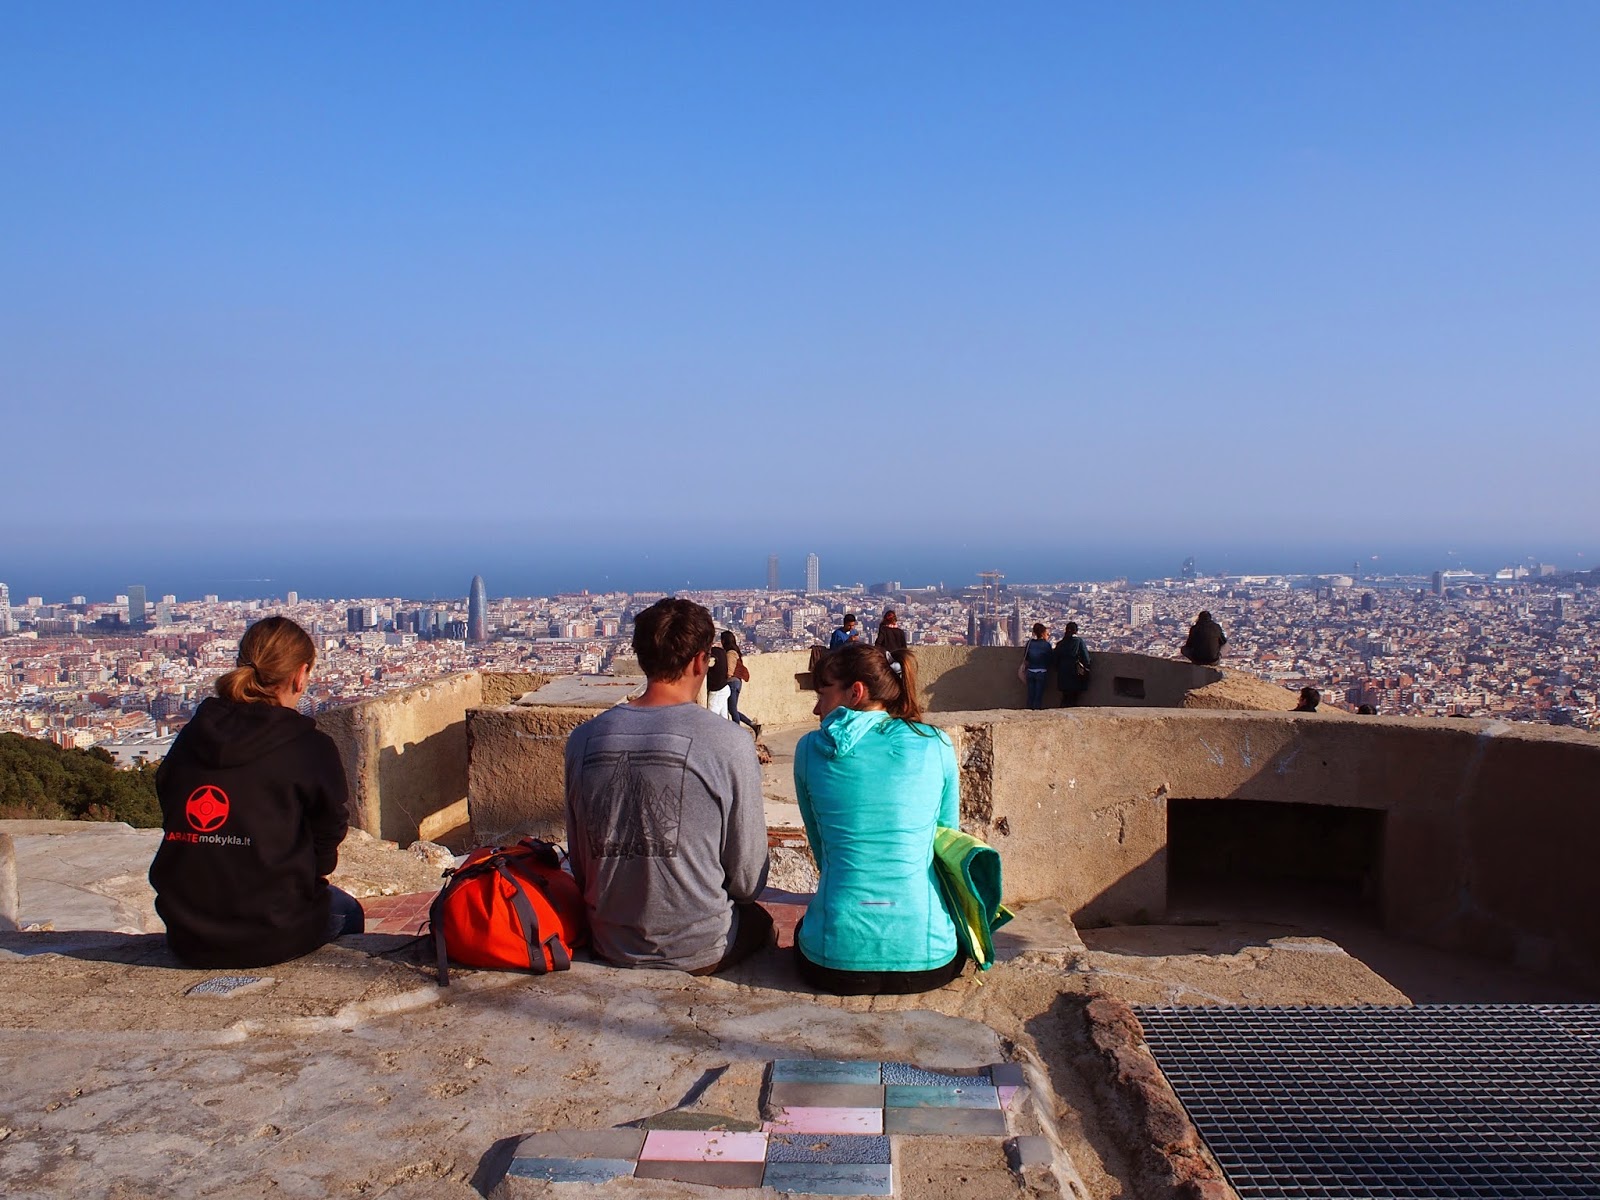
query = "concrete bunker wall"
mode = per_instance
[
  {"x": 964, "y": 678},
  {"x": 405, "y": 753},
  {"x": 1487, "y": 826}
]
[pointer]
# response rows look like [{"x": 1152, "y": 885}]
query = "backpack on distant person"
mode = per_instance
[{"x": 510, "y": 908}]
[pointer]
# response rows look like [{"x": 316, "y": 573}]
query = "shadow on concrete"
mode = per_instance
[
  {"x": 421, "y": 778},
  {"x": 494, "y": 1164},
  {"x": 1058, "y": 1035}
]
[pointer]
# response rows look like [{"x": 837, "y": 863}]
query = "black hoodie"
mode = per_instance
[{"x": 253, "y": 805}]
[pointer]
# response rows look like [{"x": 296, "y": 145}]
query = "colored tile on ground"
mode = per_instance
[
  {"x": 828, "y": 1147},
  {"x": 831, "y": 1179},
  {"x": 236, "y": 985},
  {"x": 1007, "y": 1075},
  {"x": 689, "y": 1118},
  {"x": 697, "y": 1145},
  {"x": 905, "y": 1074},
  {"x": 709, "y": 1174},
  {"x": 967, "y": 1122},
  {"x": 571, "y": 1170},
  {"x": 826, "y": 1120},
  {"x": 897, "y": 1095},
  {"x": 582, "y": 1143},
  {"x": 823, "y": 1070},
  {"x": 824, "y": 1095},
  {"x": 1012, "y": 1098}
]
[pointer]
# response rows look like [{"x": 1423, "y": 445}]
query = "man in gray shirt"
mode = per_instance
[{"x": 665, "y": 821}]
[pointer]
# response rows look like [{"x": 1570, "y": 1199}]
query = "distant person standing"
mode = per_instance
[
  {"x": 891, "y": 638},
  {"x": 738, "y": 676},
  {"x": 1072, "y": 666},
  {"x": 1036, "y": 656},
  {"x": 847, "y": 633},
  {"x": 717, "y": 680},
  {"x": 1205, "y": 642}
]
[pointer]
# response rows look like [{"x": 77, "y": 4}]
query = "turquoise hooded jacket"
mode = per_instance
[{"x": 872, "y": 791}]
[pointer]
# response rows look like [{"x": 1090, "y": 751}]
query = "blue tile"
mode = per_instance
[
  {"x": 828, "y": 1148},
  {"x": 822, "y": 1070},
  {"x": 913, "y": 1096},
  {"x": 571, "y": 1170},
  {"x": 831, "y": 1179},
  {"x": 905, "y": 1073}
]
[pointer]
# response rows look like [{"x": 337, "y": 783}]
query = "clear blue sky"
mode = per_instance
[{"x": 757, "y": 273}]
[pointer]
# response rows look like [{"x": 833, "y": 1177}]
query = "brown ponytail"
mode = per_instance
[
  {"x": 270, "y": 652},
  {"x": 869, "y": 666}
]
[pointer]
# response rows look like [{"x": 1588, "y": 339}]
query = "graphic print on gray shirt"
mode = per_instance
[{"x": 633, "y": 794}]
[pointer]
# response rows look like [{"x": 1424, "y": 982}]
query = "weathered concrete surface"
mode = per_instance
[
  {"x": 1487, "y": 826},
  {"x": 83, "y": 875},
  {"x": 517, "y": 777},
  {"x": 405, "y": 753},
  {"x": 350, "y": 1073}
]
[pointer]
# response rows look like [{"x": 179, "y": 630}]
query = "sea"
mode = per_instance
[{"x": 439, "y": 568}]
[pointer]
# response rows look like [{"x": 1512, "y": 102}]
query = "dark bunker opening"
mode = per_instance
[{"x": 1253, "y": 858}]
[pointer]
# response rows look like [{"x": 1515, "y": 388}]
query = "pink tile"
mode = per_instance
[
  {"x": 826, "y": 1120},
  {"x": 703, "y": 1145},
  {"x": 1007, "y": 1094}
]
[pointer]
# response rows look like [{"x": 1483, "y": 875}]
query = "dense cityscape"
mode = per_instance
[{"x": 1519, "y": 643}]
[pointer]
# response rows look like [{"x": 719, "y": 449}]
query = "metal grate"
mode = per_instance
[{"x": 1494, "y": 1100}]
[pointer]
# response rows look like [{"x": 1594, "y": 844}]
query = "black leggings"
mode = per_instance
[{"x": 875, "y": 983}]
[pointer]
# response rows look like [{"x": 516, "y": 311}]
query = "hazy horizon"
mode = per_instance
[{"x": 374, "y": 562}]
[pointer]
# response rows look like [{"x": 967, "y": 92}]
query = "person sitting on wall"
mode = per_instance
[
  {"x": 874, "y": 784},
  {"x": 1072, "y": 666},
  {"x": 254, "y": 805},
  {"x": 1205, "y": 642},
  {"x": 847, "y": 633},
  {"x": 1309, "y": 699},
  {"x": 666, "y": 826}
]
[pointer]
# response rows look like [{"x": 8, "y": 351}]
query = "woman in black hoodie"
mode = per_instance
[{"x": 253, "y": 805}]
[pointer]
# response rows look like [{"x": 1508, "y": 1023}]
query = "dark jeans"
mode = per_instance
[
  {"x": 1036, "y": 689},
  {"x": 874, "y": 983},
  {"x": 1069, "y": 699},
  {"x": 735, "y": 686},
  {"x": 345, "y": 914},
  {"x": 752, "y": 931}
]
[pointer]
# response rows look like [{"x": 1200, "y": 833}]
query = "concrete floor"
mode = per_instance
[{"x": 350, "y": 1072}]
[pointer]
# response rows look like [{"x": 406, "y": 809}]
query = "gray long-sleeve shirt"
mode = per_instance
[{"x": 666, "y": 829}]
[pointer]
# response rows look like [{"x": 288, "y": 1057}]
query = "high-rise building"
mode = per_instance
[
  {"x": 136, "y": 604},
  {"x": 360, "y": 618},
  {"x": 772, "y": 572},
  {"x": 477, "y": 611},
  {"x": 294, "y": 598},
  {"x": 1438, "y": 583},
  {"x": 813, "y": 574},
  {"x": 1140, "y": 612},
  {"x": 5, "y": 609}
]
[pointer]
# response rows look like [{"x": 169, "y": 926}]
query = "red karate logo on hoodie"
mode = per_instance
[{"x": 207, "y": 808}]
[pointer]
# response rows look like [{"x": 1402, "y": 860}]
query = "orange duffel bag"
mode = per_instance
[{"x": 509, "y": 908}]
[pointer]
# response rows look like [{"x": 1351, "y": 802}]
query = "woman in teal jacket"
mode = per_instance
[{"x": 874, "y": 783}]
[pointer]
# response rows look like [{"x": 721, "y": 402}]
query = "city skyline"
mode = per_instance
[{"x": 1259, "y": 275}]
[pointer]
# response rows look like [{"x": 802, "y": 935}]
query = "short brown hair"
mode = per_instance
[
  {"x": 270, "y": 652},
  {"x": 667, "y": 636}
]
